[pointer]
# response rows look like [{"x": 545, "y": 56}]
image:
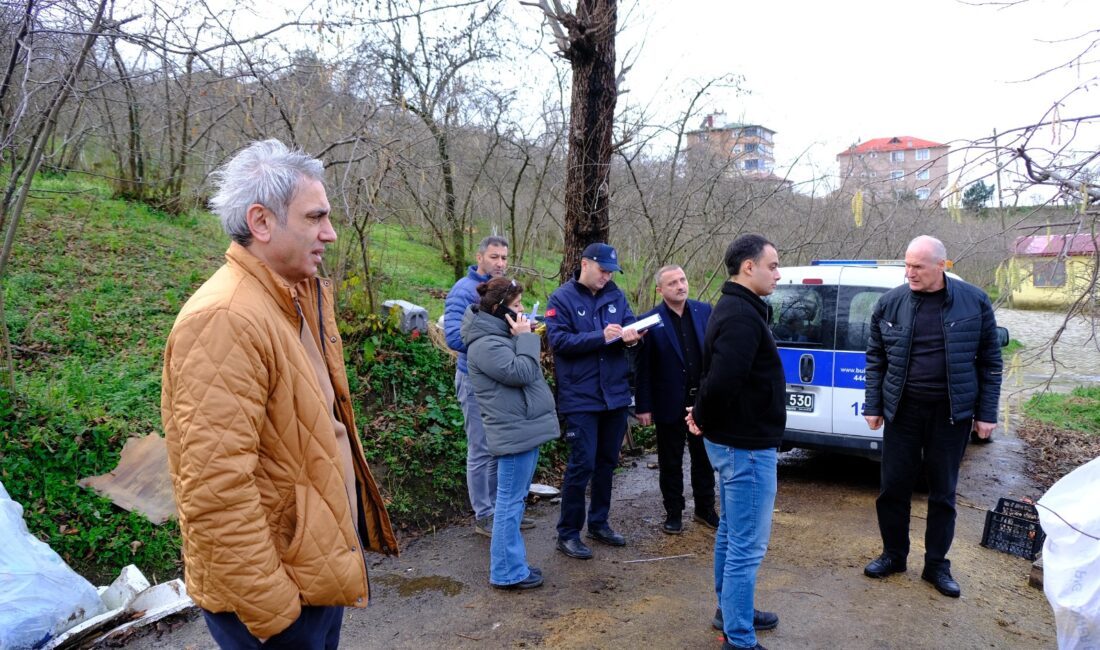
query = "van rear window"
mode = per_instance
[{"x": 803, "y": 315}]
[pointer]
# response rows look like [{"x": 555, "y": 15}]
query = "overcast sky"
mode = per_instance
[{"x": 826, "y": 75}]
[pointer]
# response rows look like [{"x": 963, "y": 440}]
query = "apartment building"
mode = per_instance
[
  {"x": 747, "y": 148},
  {"x": 898, "y": 166}
]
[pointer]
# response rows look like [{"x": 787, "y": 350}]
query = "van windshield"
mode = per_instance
[{"x": 803, "y": 315}]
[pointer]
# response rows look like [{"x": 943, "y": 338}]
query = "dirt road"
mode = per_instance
[{"x": 436, "y": 594}]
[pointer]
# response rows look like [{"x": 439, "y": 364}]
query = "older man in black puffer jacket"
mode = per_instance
[{"x": 934, "y": 373}]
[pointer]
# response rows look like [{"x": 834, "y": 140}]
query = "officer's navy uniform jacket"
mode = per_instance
[{"x": 592, "y": 375}]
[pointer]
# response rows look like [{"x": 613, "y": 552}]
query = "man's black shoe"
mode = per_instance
[
  {"x": 883, "y": 565},
  {"x": 530, "y": 582},
  {"x": 708, "y": 518},
  {"x": 673, "y": 525},
  {"x": 726, "y": 645},
  {"x": 943, "y": 582},
  {"x": 761, "y": 621},
  {"x": 574, "y": 548},
  {"x": 607, "y": 536}
]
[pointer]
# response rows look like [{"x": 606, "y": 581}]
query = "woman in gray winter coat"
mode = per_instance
[{"x": 518, "y": 411}]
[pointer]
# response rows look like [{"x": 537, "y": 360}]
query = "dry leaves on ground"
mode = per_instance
[{"x": 1054, "y": 452}]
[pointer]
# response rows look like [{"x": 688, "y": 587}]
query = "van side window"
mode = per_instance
[
  {"x": 854, "y": 316},
  {"x": 802, "y": 315}
]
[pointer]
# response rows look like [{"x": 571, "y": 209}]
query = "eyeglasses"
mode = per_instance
[{"x": 501, "y": 303}]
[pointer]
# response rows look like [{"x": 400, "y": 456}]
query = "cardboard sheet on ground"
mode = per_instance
[{"x": 140, "y": 482}]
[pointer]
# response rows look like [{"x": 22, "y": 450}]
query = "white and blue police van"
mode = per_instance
[{"x": 821, "y": 320}]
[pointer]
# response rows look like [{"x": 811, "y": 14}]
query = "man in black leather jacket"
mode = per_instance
[{"x": 934, "y": 374}]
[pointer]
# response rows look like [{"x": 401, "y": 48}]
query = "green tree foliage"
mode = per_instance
[{"x": 977, "y": 195}]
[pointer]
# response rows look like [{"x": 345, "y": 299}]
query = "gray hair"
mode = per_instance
[
  {"x": 264, "y": 172},
  {"x": 665, "y": 269},
  {"x": 934, "y": 246},
  {"x": 491, "y": 240}
]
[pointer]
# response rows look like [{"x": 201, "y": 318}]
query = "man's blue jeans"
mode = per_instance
[
  {"x": 747, "y": 485},
  {"x": 481, "y": 466},
  {"x": 595, "y": 440},
  {"x": 507, "y": 555}
]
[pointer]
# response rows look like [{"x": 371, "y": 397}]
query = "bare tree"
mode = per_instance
[
  {"x": 586, "y": 38},
  {"x": 431, "y": 76},
  {"x": 19, "y": 184}
]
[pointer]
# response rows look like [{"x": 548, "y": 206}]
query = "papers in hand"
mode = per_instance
[{"x": 642, "y": 325}]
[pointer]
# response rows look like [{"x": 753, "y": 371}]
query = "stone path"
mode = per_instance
[{"x": 1073, "y": 361}]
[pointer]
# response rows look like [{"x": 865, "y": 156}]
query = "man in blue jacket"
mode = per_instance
[
  {"x": 669, "y": 367},
  {"x": 481, "y": 466},
  {"x": 585, "y": 321},
  {"x": 934, "y": 374}
]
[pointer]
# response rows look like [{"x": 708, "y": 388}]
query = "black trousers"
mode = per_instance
[
  {"x": 670, "y": 461},
  {"x": 921, "y": 430},
  {"x": 318, "y": 628}
]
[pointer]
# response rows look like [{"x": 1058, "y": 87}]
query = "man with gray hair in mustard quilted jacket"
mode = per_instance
[{"x": 276, "y": 503}]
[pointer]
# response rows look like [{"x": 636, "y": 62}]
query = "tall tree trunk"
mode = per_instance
[
  {"x": 132, "y": 183},
  {"x": 592, "y": 117},
  {"x": 9, "y": 71}
]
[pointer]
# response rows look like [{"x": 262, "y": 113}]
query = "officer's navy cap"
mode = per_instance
[{"x": 604, "y": 255}]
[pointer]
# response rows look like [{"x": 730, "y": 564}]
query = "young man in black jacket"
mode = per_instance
[
  {"x": 934, "y": 375},
  {"x": 740, "y": 411}
]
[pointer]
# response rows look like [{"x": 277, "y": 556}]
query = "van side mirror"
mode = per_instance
[{"x": 1002, "y": 336}]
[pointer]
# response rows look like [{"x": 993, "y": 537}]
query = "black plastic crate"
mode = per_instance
[
  {"x": 1014, "y": 528},
  {"x": 1016, "y": 508}
]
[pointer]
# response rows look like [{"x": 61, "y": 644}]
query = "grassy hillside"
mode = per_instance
[{"x": 93, "y": 288}]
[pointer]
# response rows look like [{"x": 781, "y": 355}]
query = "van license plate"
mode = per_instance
[{"x": 800, "y": 402}]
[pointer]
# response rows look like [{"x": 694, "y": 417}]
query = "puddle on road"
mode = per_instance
[{"x": 414, "y": 586}]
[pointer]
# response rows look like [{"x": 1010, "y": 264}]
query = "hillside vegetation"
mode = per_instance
[{"x": 95, "y": 284}]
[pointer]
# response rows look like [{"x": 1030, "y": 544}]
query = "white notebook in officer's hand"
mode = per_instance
[{"x": 647, "y": 323}]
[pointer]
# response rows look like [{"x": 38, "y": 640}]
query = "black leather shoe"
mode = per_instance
[
  {"x": 607, "y": 536},
  {"x": 575, "y": 548},
  {"x": 708, "y": 518},
  {"x": 530, "y": 582},
  {"x": 726, "y": 645},
  {"x": 943, "y": 582},
  {"x": 760, "y": 620},
  {"x": 883, "y": 565},
  {"x": 673, "y": 525}
]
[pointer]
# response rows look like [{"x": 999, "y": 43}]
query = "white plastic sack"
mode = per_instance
[
  {"x": 40, "y": 596},
  {"x": 1071, "y": 556}
]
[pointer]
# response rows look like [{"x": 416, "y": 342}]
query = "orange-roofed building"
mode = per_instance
[{"x": 895, "y": 166}]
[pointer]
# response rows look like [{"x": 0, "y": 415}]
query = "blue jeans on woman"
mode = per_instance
[
  {"x": 747, "y": 485},
  {"x": 507, "y": 555}
]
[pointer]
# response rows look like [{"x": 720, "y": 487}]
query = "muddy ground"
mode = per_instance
[{"x": 437, "y": 595}]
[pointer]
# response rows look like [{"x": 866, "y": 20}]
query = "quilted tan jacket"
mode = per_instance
[{"x": 253, "y": 453}]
